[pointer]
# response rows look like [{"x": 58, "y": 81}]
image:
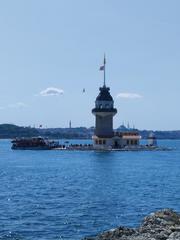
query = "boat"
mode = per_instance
[{"x": 34, "y": 143}]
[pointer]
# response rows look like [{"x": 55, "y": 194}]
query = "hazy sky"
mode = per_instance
[{"x": 51, "y": 49}]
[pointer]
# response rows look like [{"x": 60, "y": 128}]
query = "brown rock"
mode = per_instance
[{"x": 161, "y": 225}]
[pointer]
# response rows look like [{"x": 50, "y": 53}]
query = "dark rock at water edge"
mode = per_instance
[{"x": 161, "y": 225}]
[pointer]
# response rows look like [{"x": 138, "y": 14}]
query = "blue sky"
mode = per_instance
[{"x": 57, "y": 46}]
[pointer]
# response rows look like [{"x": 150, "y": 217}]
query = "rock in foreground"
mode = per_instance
[{"x": 161, "y": 225}]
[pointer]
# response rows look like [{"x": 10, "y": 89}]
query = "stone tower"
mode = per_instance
[{"x": 104, "y": 111}]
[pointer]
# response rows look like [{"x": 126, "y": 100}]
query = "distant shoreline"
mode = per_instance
[{"x": 10, "y": 131}]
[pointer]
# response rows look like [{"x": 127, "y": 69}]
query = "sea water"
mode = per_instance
[{"x": 73, "y": 194}]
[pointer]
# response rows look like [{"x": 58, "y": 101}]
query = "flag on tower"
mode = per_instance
[{"x": 101, "y": 68}]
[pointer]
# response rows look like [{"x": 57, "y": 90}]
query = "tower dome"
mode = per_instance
[
  {"x": 104, "y": 99},
  {"x": 104, "y": 94}
]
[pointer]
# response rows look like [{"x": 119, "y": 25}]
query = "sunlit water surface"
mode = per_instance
[{"x": 69, "y": 195}]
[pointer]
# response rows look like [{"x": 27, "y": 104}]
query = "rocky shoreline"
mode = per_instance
[{"x": 161, "y": 225}]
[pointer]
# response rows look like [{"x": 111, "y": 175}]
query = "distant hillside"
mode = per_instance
[
  {"x": 12, "y": 131},
  {"x": 68, "y": 133}
]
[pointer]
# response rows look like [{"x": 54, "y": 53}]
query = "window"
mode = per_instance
[
  {"x": 96, "y": 141},
  {"x": 127, "y": 142},
  {"x": 100, "y": 142},
  {"x": 116, "y": 145},
  {"x": 104, "y": 142}
]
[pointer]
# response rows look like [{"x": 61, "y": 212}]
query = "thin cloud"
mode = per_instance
[
  {"x": 129, "y": 95},
  {"x": 14, "y": 105},
  {"x": 51, "y": 91},
  {"x": 17, "y": 105}
]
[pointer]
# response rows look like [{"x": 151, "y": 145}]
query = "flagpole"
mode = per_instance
[{"x": 104, "y": 71}]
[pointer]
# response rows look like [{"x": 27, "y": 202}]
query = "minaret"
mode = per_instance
[
  {"x": 70, "y": 124},
  {"x": 104, "y": 111}
]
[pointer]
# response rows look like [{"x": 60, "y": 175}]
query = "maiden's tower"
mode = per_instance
[{"x": 105, "y": 138}]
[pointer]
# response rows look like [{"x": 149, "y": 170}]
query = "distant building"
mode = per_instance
[{"x": 104, "y": 137}]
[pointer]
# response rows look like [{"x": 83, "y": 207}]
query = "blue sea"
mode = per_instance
[{"x": 69, "y": 195}]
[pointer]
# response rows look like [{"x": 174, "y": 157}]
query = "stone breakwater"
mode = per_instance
[{"x": 161, "y": 225}]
